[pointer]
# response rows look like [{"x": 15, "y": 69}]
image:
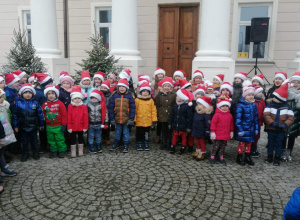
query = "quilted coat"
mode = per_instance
[
  {"x": 181, "y": 117},
  {"x": 86, "y": 91},
  {"x": 39, "y": 96},
  {"x": 222, "y": 124},
  {"x": 164, "y": 104},
  {"x": 96, "y": 114},
  {"x": 145, "y": 111},
  {"x": 201, "y": 122},
  {"x": 78, "y": 118},
  {"x": 6, "y": 132},
  {"x": 246, "y": 121},
  {"x": 12, "y": 97},
  {"x": 294, "y": 102},
  {"x": 64, "y": 97}
]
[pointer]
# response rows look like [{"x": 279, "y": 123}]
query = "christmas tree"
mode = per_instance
[
  {"x": 99, "y": 59},
  {"x": 22, "y": 56}
]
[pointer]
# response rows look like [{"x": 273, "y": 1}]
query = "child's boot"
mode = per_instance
[
  {"x": 254, "y": 152},
  {"x": 126, "y": 147},
  {"x": 139, "y": 146},
  {"x": 24, "y": 157},
  {"x": 182, "y": 150},
  {"x": 172, "y": 149},
  {"x": 283, "y": 155},
  {"x": 61, "y": 154},
  {"x": 7, "y": 172},
  {"x": 107, "y": 141},
  {"x": 289, "y": 155},
  {"x": 190, "y": 149},
  {"x": 200, "y": 156},
  {"x": 240, "y": 160},
  {"x": 222, "y": 160},
  {"x": 80, "y": 150},
  {"x": 115, "y": 146},
  {"x": 157, "y": 139},
  {"x": 73, "y": 151},
  {"x": 91, "y": 149},
  {"x": 99, "y": 148},
  {"x": 195, "y": 154},
  {"x": 146, "y": 145},
  {"x": 276, "y": 160},
  {"x": 212, "y": 159},
  {"x": 270, "y": 158},
  {"x": 248, "y": 159},
  {"x": 36, "y": 155},
  {"x": 53, "y": 154}
]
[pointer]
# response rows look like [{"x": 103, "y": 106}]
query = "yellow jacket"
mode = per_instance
[{"x": 145, "y": 111}]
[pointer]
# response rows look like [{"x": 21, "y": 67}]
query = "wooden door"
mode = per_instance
[{"x": 178, "y": 37}]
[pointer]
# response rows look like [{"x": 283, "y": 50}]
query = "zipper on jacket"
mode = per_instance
[{"x": 121, "y": 109}]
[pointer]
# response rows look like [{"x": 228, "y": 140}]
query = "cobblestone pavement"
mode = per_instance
[{"x": 148, "y": 185}]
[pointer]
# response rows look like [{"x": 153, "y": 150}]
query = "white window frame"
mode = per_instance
[
  {"x": 269, "y": 46},
  {"x": 22, "y": 11}
]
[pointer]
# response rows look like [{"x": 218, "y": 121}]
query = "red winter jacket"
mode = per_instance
[
  {"x": 78, "y": 118},
  {"x": 55, "y": 113},
  {"x": 261, "y": 105},
  {"x": 222, "y": 125}
]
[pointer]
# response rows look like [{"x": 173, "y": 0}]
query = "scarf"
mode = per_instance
[{"x": 73, "y": 103}]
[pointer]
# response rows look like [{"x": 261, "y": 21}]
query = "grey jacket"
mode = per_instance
[{"x": 95, "y": 114}]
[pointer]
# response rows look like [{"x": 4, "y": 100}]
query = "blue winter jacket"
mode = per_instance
[
  {"x": 201, "y": 124},
  {"x": 39, "y": 96},
  {"x": 12, "y": 97},
  {"x": 88, "y": 90},
  {"x": 292, "y": 208},
  {"x": 28, "y": 115},
  {"x": 246, "y": 121},
  {"x": 181, "y": 117},
  {"x": 64, "y": 97}
]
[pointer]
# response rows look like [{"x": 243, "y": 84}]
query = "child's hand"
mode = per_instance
[
  {"x": 274, "y": 124},
  {"x": 170, "y": 127},
  {"x": 104, "y": 126},
  {"x": 85, "y": 130},
  {"x": 154, "y": 124},
  {"x": 17, "y": 130},
  {"x": 41, "y": 128},
  {"x": 70, "y": 131},
  {"x": 231, "y": 134},
  {"x": 283, "y": 126},
  {"x": 213, "y": 136}
]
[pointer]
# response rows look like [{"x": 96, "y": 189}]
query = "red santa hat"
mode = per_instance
[
  {"x": 209, "y": 86},
  {"x": 281, "y": 75},
  {"x": 100, "y": 96},
  {"x": 76, "y": 92},
  {"x": 144, "y": 76},
  {"x": 260, "y": 79},
  {"x": 19, "y": 73},
  {"x": 145, "y": 86},
  {"x": 106, "y": 84},
  {"x": 67, "y": 78},
  {"x": 199, "y": 88},
  {"x": 258, "y": 89},
  {"x": 158, "y": 71},
  {"x": 240, "y": 75},
  {"x": 125, "y": 74},
  {"x": 296, "y": 76},
  {"x": 27, "y": 87},
  {"x": 32, "y": 78},
  {"x": 43, "y": 78},
  {"x": 226, "y": 85},
  {"x": 141, "y": 81},
  {"x": 180, "y": 73},
  {"x": 220, "y": 78},
  {"x": 205, "y": 101},
  {"x": 96, "y": 94},
  {"x": 223, "y": 100},
  {"x": 198, "y": 73},
  {"x": 51, "y": 88},
  {"x": 99, "y": 75},
  {"x": 183, "y": 83},
  {"x": 62, "y": 73},
  {"x": 282, "y": 92},
  {"x": 1, "y": 78},
  {"x": 186, "y": 96},
  {"x": 123, "y": 82},
  {"x": 166, "y": 80},
  {"x": 85, "y": 75},
  {"x": 247, "y": 88},
  {"x": 10, "y": 79}
]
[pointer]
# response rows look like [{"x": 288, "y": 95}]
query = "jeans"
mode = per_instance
[
  {"x": 94, "y": 132},
  {"x": 119, "y": 129},
  {"x": 2, "y": 160},
  {"x": 275, "y": 140},
  {"x": 29, "y": 137}
]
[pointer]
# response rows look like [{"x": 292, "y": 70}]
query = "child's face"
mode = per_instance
[
  {"x": 295, "y": 84},
  {"x": 278, "y": 81},
  {"x": 249, "y": 97},
  {"x": 259, "y": 95},
  {"x": 200, "y": 106},
  {"x": 238, "y": 80},
  {"x": 86, "y": 82},
  {"x": 145, "y": 93},
  {"x": 198, "y": 95},
  {"x": 215, "y": 81},
  {"x": 276, "y": 100},
  {"x": 167, "y": 87},
  {"x": 1, "y": 99},
  {"x": 50, "y": 84},
  {"x": 103, "y": 88},
  {"x": 15, "y": 85},
  {"x": 27, "y": 95},
  {"x": 93, "y": 99},
  {"x": 23, "y": 79},
  {"x": 225, "y": 92},
  {"x": 97, "y": 81},
  {"x": 51, "y": 96},
  {"x": 160, "y": 76},
  {"x": 122, "y": 89},
  {"x": 198, "y": 79},
  {"x": 189, "y": 88},
  {"x": 224, "y": 108},
  {"x": 66, "y": 85},
  {"x": 76, "y": 100},
  {"x": 111, "y": 81},
  {"x": 256, "y": 82},
  {"x": 2, "y": 85},
  {"x": 178, "y": 99},
  {"x": 177, "y": 78},
  {"x": 209, "y": 91}
]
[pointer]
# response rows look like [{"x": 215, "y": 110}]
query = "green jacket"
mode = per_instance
[{"x": 294, "y": 102}]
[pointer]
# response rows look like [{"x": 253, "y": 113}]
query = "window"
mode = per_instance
[
  {"x": 247, "y": 50},
  {"x": 103, "y": 22},
  {"x": 27, "y": 24}
]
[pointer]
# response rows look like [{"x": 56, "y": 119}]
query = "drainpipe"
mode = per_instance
[{"x": 65, "y": 11}]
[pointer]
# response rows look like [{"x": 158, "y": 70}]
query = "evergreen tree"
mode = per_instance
[
  {"x": 99, "y": 59},
  {"x": 22, "y": 56}
]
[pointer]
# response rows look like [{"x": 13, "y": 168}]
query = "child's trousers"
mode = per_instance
[
  {"x": 79, "y": 134},
  {"x": 246, "y": 145},
  {"x": 176, "y": 134},
  {"x": 56, "y": 139},
  {"x": 119, "y": 129},
  {"x": 29, "y": 137},
  {"x": 94, "y": 132},
  {"x": 142, "y": 134},
  {"x": 200, "y": 141},
  {"x": 218, "y": 145},
  {"x": 275, "y": 140}
]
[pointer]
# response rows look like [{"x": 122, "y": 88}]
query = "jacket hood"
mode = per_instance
[
  {"x": 221, "y": 112},
  {"x": 242, "y": 100},
  {"x": 144, "y": 98}
]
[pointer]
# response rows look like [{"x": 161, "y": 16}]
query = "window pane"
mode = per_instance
[
  {"x": 28, "y": 18},
  {"x": 253, "y": 12},
  {"x": 104, "y": 33},
  {"x": 105, "y": 16},
  {"x": 244, "y": 42},
  {"x": 29, "y": 35},
  {"x": 258, "y": 50}
]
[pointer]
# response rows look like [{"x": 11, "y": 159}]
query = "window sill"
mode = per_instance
[{"x": 259, "y": 63}]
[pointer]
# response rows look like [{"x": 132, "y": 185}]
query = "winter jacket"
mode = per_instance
[
  {"x": 96, "y": 114},
  {"x": 64, "y": 97},
  {"x": 201, "y": 122},
  {"x": 107, "y": 96},
  {"x": 292, "y": 208},
  {"x": 261, "y": 105},
  {"x": 246, "y": 121},
  {"x": 6, "y": 106},
  {"x": 7, "y": 135},
  {"x": 278, "y": 112},
  {"x": 55, "y": 113},
  {"x": 145, "y": 111},
  {"x": 78, "y": 118},
  {"x": 11, "y": 96},
  {"x": 39, "y": 96},
  {"x": 86, "y": 91},
  {"x": 222, "y": 125},
  {"x": 294, "y": 102},
  {"x": 121, "y": 107},
  {"x": 164, "y": 104},
  {"x": 181, "y": 117},
  {"x": 28, "y": 115}
]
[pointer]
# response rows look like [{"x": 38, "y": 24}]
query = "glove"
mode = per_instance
[
  {"x": 213, "y": 135},
  {"x": 63, "y": 128},
  {"x": 283, "y": 126},
  {"x": 241, "y": 134},
  {"x": 274, "y": 124},
  {"x": 154, "y": 124},
  {"x": 42, "y": 128},
  {"x": 130, "y": 123},
  {"x": 231, "y": 134},
  {"x": 104, "y": 126},
  {"x": 84, "y": 130},
  {"x": 70, "y": 131},
  {"x": 256, "y": 132},
  {"x": 113, "y": 122},
  {"x": 188, "y": 130},
  {"x": 170, "y": 127}
]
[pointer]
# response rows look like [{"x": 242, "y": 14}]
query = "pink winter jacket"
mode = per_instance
[{"x": 222, "y": 125}]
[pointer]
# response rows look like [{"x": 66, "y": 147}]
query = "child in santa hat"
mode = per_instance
[
  {"x": 159, "y": 75},
  {"x": 125, "y": 74},
  {"x": 279, "y": 78},
  {"x": 247, "y": 125},
  {"x": 209, "y": 90},
  {"x": 32, "y": 79},
  {"x": 86, "y": 86},
  {"x": 111, "y": 77},
  {"x": 105, "y": 89},
  {"x": 221, "y": 128},
  {"x": 142, "y": 78},
  {"x": 278, "y": 116},
  {"x": 178, "y": 74},
  {"x": 66, "y": 85},
  {"x": 197, "y": 79},
  {"x": 56, "y": 118},
  {"x": 145, "y": 116},
  {"x": 226, "y": 89},
  {"x": 258, "y": 80},
  {"x": 27, "y": 119},
  {"x": 238, "y": 80},
  {"x": 164, "y": 101},
  {"x": 11, "y": 90},
  {"x": 22, "y": 76},
  {"x": 98, "y": 79},
  {"x": 78, "y": 120},
  {"x": 181, "y": 118},
  {"x": 98, "y": 120},
  {"x": 201, "y": 125},
  {"x": 120, "y": 117},
  {"x": 217, "y": 81},
  {"x": 184, "y": 84}
]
